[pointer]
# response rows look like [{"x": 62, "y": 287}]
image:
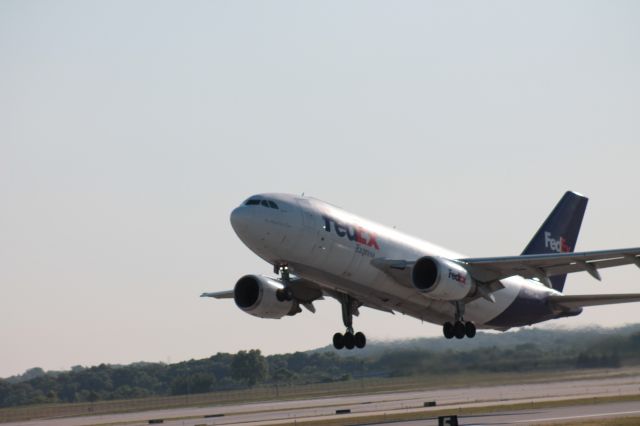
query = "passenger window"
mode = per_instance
[
  {"x": 264, "y": 203},
  {"x": 252, "y": 202},
  {"x": 273, "y": 205}
]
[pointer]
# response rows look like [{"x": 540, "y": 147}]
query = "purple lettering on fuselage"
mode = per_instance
[{"x": 353, "y": 233}]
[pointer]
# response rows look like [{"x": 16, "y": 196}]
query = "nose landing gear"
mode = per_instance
[
  {"x": 349, "y": 339},
  {"x": 460, "y": 328},
  {"x": 284, "y": 293}
]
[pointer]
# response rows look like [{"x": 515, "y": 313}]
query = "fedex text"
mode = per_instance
[
  {"x": 556, "y": 244},
  {"x": 353, "y": 233},
  {"x": 456, "y": 276}
]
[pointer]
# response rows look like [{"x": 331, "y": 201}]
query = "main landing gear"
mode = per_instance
[
  {"x": 460, "y": 328},
  {"x": 349, "y": 339}
]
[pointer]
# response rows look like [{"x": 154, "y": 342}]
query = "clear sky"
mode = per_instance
[{"x": 130, "y": 130}]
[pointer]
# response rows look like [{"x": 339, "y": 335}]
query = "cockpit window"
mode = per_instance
[{"x": 258, "y": 201}]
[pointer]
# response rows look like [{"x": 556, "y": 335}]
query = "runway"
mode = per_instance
[
  {"x": 388, "y": 403},
  {"x": 524, "y": 417}
]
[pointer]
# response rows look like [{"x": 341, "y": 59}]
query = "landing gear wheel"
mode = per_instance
[
  {"x": 360, "y": 340},
  {"x": 338, "y": 341},
  {"x": 447, "y": 330},
  {"x": 470, "y": 329},
  {"x": 459, "y": 329},
  {"x": 349, "y": 340}
]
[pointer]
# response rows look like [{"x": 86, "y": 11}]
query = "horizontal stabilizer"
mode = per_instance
[{"x": 581, "y": 301}]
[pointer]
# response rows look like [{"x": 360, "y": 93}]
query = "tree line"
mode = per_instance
[{"x": 245, "y": 369}]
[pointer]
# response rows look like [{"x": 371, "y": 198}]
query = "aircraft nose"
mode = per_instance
[{"x": 240, "y": 218}]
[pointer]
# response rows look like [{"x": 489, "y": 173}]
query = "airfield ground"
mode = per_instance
[{"x": 578, "y": 397}]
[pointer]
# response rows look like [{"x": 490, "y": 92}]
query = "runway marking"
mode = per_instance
[{"x": 552, "y": 419}]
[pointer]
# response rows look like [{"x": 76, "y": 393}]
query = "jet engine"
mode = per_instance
[
  {"x": 442, "y": 279},
  {"x": 257, "y": 296}
]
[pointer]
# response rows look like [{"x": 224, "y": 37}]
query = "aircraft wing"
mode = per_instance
[
  {"x": 227, "y": 294},
  {"x": 542, "y": 266},
  {"x": 572, "y": 302}
]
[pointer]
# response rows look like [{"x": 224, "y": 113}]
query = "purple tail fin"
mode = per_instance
[{"x": 559, "y": 233}]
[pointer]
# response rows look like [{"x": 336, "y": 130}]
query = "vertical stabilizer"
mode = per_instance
[{"x": 559, "y": 233}]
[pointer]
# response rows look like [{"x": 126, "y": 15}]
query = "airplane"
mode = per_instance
[{"x": 318, "y": 250}]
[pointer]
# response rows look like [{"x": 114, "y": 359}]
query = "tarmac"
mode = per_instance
[{"x": 382, "y": 404}]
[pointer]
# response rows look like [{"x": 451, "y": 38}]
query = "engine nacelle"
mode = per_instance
[
  {"x": 256, "y": 295},
  {"x": 441, "y": 279}
]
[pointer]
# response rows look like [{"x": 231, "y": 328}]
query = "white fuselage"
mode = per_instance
[{"x": 334, "y": 248}]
